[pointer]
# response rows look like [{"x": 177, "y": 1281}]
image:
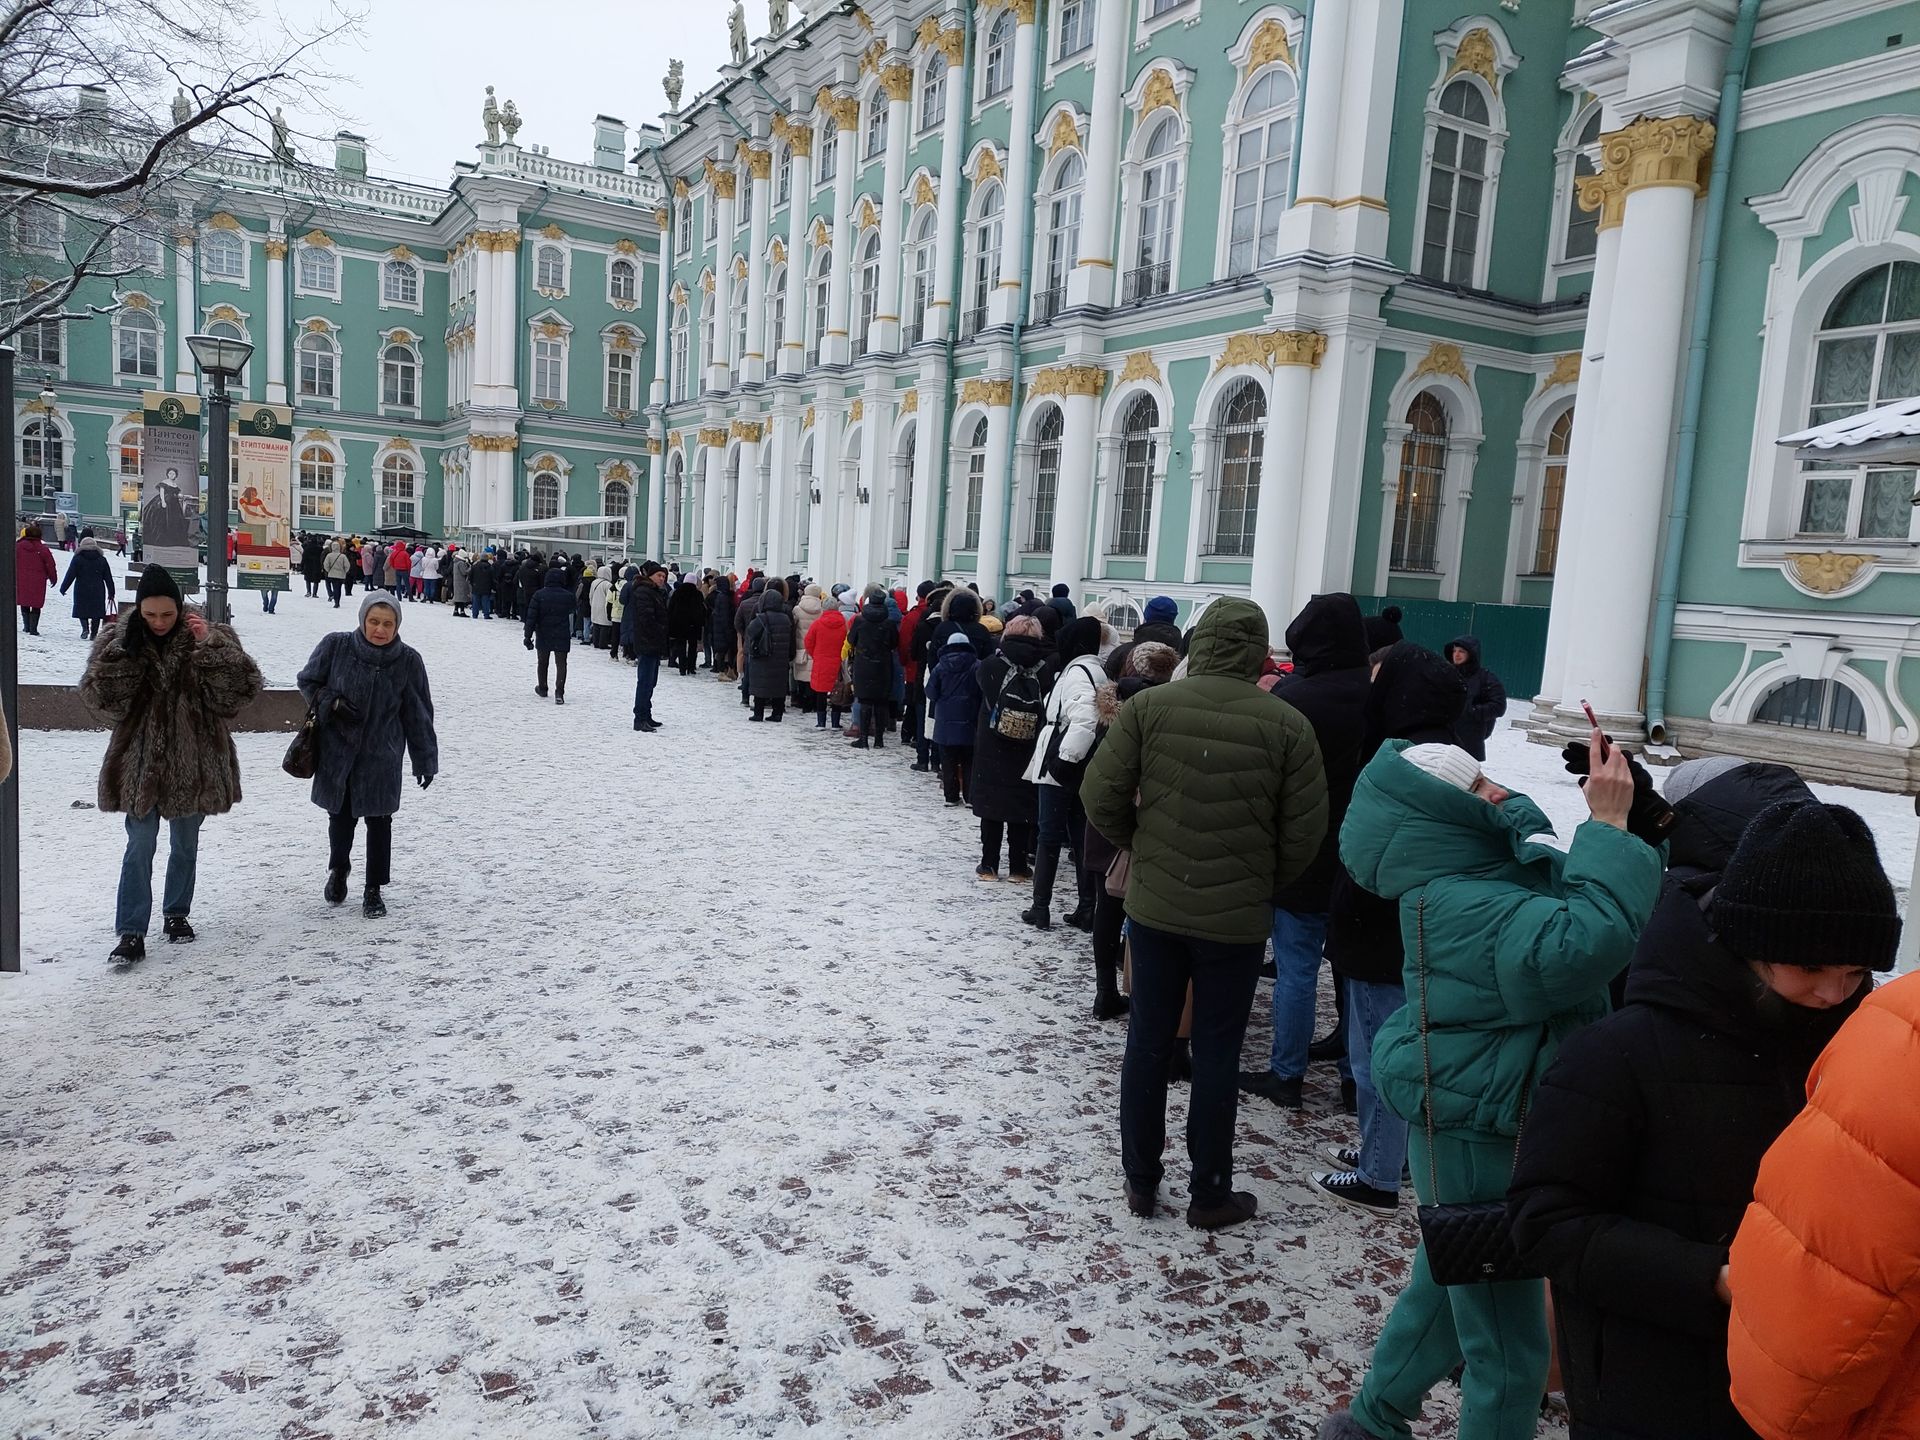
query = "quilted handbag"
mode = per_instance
[{"x": 1469, "y": 1243}]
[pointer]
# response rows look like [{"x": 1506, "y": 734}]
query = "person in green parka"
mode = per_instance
[{"x": 1518, "y": 941}]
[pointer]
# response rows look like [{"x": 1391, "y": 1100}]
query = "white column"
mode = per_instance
[
  {"x": 870, "y": 515},
  {"x": 506, "y": 280},
  {"x": 930, "y": 442},
  {"x": 1162, "y": 452},
  {"x": 1522, "y": 517},
  {"x": 793, "y": 349},
  {"x": 654, "y": 542},
  {"x": 1319, "y": 134},
  {"x": 844, "y": 115},
  {"x": 1463, "y": 455},
  {"x": 782, "y": 438},
  {"x": 1073, "y": 501},
  {"x": 1014, "y": 233},
  {"x": 753, "y": 365},
  {"x": 1091, "y": 282},
  {"x": 185, "y": 321},
  {"x": 481, "y": 362},
  {"x": 746, "y": 507},
  {"x": 662, "y": 309},
  {"x": 713, "y": 518},
  {"x": 821, "y": 559},
  {"x": 1282, "y": 473},
  {"x": 940, "y": 316},
  {"x": 896, "y": 83},
  {"x": 276, "y": 251},
  {"x": 990, "y": 567},
  {"x": 720, "y": 363},
  {"x": 1392, "y": 444}
]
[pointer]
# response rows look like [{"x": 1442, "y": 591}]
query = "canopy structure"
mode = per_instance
[{"x": 1889, "y": 434}]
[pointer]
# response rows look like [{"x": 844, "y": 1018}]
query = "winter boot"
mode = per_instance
[
  {"x": 1329, "y": 1047},
  {"x": 860, "y": 744},
  {"x": 371, "y": 905},
  {"x": 1141, "y": 1203},
  {"x": 1082, "y": 916},
  {"x": 1046, "y": 861},
  {"x": 1341, "y": 1425},
  {"x": 1269, "y": 1086},
  {"x": 1234, "y": 1210},
  {"x": 336, "y": 890},
  {"x": 1108, "y": 1002},
  {"x": 177, "y": 930},
  {"x": 130, "y": 949}
]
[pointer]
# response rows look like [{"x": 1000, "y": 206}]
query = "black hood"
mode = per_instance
[
  {"x": 1329, "y": 633},
  {"x": 963, "y": 608},
  {"x": 1416, "y": 696},
  {"x": 1164, "y": 634},
  {"x": 557, "y": 578},
  {"x": 1024, "y": 650},
  {"x": 1708, "y": 823},
  {"x": 1079, "y": 637},
  {"x": 874, "y": 610},
  {"x": 1471, "y": 645}
]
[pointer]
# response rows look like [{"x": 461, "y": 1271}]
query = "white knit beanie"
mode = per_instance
[{"x": 1445, "y": 762}]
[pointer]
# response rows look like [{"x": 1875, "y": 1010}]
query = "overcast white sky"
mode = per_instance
[{"x": 417, "y": 71}]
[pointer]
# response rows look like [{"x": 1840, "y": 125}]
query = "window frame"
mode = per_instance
[
  {"x": 1137, "y": 285},
  {"x": 1569, "y": 157},
  {"x": 930, "y": 91},
  {"x": 631, "y": 268},
  {"x": 1430, "y": 461},
  {"x": 302, "y": 459},
  {"x": 1146, "y": 440},
  {"x": 408, "y": 272},
  {"x": 409, "y": 356},
  {"x": 50, "y": 437},
  {"x": 242, "y": 247},
  {"x": 550, "y": 485},
  {"x": 1266, "y": 207},
  {"x": 390, "y": 467},
  {"x": 49, "y": 233},
  {"x": 995, "y": 64},
  {"x": 301, "y": 254},
  {"x": 976, "y": 486},
  {"x": 1049, "y": 428},
  {"x": 329, "y": 345},
  {"x": 980, "y": 263},
  {"x": 1057, "y": 244},
  {"x": 125, "y": 317},
  {"x": 1492, "y": 135},
  {"x": 1222, "y": 432},
  {"x": 1551, "y": 502},
  {"x": 563, "y": 265}
]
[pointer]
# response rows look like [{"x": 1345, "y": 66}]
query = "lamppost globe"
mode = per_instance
[
  {"x": 48, "y": 399},
  {"x": 220, "y": 355}
]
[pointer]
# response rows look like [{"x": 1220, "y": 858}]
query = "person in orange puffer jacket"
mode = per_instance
[{"x": 1825, "y": 1271}]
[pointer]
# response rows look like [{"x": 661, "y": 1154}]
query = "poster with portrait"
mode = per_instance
[
  {"x": 263, "y": 495},
  {"x": 170, "y": 508}
]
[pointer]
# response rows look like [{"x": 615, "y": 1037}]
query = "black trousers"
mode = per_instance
[
  {"x": 333, "y": 592},
  {"x": 1019, "y": 846},
  {"x": 379, "y": 846},
  {"x": 778, "y": 702},
  {"x": 956, "y": 772},
  {"x": 90, "y": 628},
  {"x": 30, "y": 618},
  {"x": 560, "y": 667}
]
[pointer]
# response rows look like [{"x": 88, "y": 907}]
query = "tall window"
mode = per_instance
[
  {"x": 1553, "y": 495},
  {"x": 43, "y": 454},
  {"x": 139, "y": 344},
  {"x": 1867, "y": 353},
  {"x": 677, "y": 337},
  {"x": 1063, "y": 235},
  {"x": 876, "y": 145},
  {"x": 933, "y": 91},
  {"x": 903, "y": 502},
  {"x": 622, "y": 281},
  {"x": 1456, "y": 185},
  {"x": 399, "y": 377},
  {"x": 710, "y": 220},
  {"x": 827, "y": 148},
  {"x": 996, "y": 67},
  {"x": 399, "y": 283},
  {"x": 550, "y": 267},
  {"x": 549, "y": 368},
  {"x": 803, "y": 511},
  {"x": 127, "y": 453},
  {"x": 1159, "y": 190},
  {"x": 1046, "y": 477},
  {"x": 676, "y": 483},
  {"x": 317, "y": 473},
  {"x": 709, "y": 350},
  {"x": 1583, "y": 226},
  {"x": 869, "y": 291},
  {"x": 1423, "y": 476},
  {"x": 546, "y": 496},
  {"x": 976, "y": 486},
  {"x": 223, "y": 255},
  {"x": 319, "y": 377},
  {"x": 136, "y": 246},
  {"x": 737, "y": 322},
  {"x": 983, "y": 265},
  {"x": 783, "y": 181},
  {"x": 620, "y": 380},
  {"x": 818, "y": 290},
  {"x": 616, "y": 503},
  {"x": 1813, "y": 705},
  {"x": 39, "y": 342},
  {"x": 776, "y": 307},
  {"x": 1076, "y": 28},
  {"x": 399, "y": 496},
  {"x": 732, "y": 505},
  {"x": 922, "y": 249},
  {"x": 1134, "y": 512},
  {"x": 319, "y": 269},
  {"x": 1236, "y": 489},
  {"x": 682, "y": 229},
  {"x": 1262, "y": 154},
  {"x": 38, "y": 227}
]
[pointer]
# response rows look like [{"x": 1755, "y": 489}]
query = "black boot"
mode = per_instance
[
  {"x": 371, "y": 905},
  {"x": 177, "y": 930},
  {"x": 130, "y": 949},
  {"x": 1108, "y": 1002},
  {"x": 336, "y": 890},
  {"x": 1082, "y": 916},
  {"x": 1046, "y": 862}
]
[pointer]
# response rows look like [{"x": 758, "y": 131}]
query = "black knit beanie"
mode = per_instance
[
  {"x": 1804, "y": 887},
  {"x": 157, "y": 584}
]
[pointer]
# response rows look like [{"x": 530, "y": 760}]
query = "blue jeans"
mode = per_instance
[
  {"x": 482, "y": 605},
  {"x": 646, "y": 676},
  {"x": 1297, "y": 941},
  {"x": 133, "y": 906},
  {"x": 269, "y": 600},
  {"x": 429, "y": 589},
  {"x": 1383, "y": 1134}
]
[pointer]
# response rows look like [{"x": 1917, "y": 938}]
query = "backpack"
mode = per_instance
[{"x": 1016, "y": 712}]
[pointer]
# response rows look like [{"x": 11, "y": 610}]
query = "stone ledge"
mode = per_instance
[{"x": 59, "y": 707}]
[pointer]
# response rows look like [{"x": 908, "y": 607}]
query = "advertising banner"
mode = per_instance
[
  {"x": 263, "y": 495},
  {"x": 170, "y": 504}
]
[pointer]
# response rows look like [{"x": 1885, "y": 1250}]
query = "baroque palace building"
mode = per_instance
[{"x": 1413, "y": 298}]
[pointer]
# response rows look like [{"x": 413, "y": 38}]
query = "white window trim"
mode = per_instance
[
  {"x": 337, "y": 458},
  {"x": 1057, "y": 64},
  {"x": 1565, "y": 154},
  {"x": 65, "y": 434},
  {"x": 1133, "y": 168},
  {"x": 924, "y": 123},
  {"x": 1506, "y": 60},
  {"x": 418, "y": 307},
  {"x": 338, "y": 264},
  {"x": 1813, "y": 657},
  {"x": 908, "y": 318},
  {"x": 418, "y": 462},
  {"x": 117, "y": 433},
  {"x": 535, "y": 323},
  {"x": 1465, "y": 432},
  {"x": 57, "y": 248},
  {"x": 1043, "y": 199},
  {"x": 1147, "y": 26},
  {"x": 133, "y": 225},
  {"x": 983, "y": 26},
  {"x": 1229, "y": 144},
  {"x": 824, "y": 133},
  {"x": 632, "y": 484},
  {"x": 245, "y": 278},
  {"x": 28, "y": 368},
  {"x": 682, "y": 221},
  {"x": 873, "y": 104},
  {"x": 331, "y": 334},
  {"x": 549, "y": 465},
  {"x": 680, "y": 338},
  {"x": 968, "y": 225},
  {"x": 540, "y": 243},
  {"x": 634, "y": 262},
  {"x": 1542, "y": 413},
  {"x": 157, "y": 380},
  {"x": 637, "y": 344},
  {"x": 387, "y": 341},
  {"x": 1112, "y": 439}
]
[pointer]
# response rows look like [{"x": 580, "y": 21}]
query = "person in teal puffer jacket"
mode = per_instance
[{"x": 1519, "y": 941}]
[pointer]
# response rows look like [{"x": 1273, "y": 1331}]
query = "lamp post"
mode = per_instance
[{"x": 220, "y": 359}]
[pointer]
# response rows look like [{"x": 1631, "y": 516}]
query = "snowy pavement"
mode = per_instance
[{"x": 693, "y": 1086}]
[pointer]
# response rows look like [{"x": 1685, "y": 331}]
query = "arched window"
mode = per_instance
[
  {"x": 1159, "y": 194},
  {"x": 399, "y": 495},
  {"x": 620, "y": 375},
  {"x": 1046, "y": 477},
  {"x": 1582, "y": 234},
  {"x": 682, "y": 229},
  {"x": 223, "y": 255},
  {"x": 976, "y": 485},
  {"x": 983, "y": 258},
  {"x": 876, "y": 145},
  {"x": 933, "y": 91},
  {"x": 399, "y": 283},
  {"x": 1076, "y": 28},
  {"x": 1063, "y": 235},
  {"x": 550, "y": 267},
  {"x": 676, "y": 485},
  {"x": 1236, "y": 484},
  {"x": 1867, "y": 353},
  {"x": 319, "y": 270},
  {"x": 622, "y": 282},
  {"x": 803, "y": 509},
  {"x": 709, "y": 354},
  {"x": 43, "y": 459},
  {"x": 1456, "y": 185},
  {"x": 710, "y": 218},
  {"x": 922, "y": 248},
  {"x": 678, "y": 334},
  {"x": 319, "y": 367},
  {"x": 869, "y": 291},
  {"x": 819, "y": 288},
  {"x": 127, "y": 457},
  {"x": 616, "y": 503},
  {"x": 39, "y": 343},
  {"x": 996, "y": 66},
  {"x": 399, "y": 377},
  {"x": 546, "y": 496},
  {"x": 1423, "y": 478},
  {"x": 139, "y": 344},
  {"x": 1262, "y": 156},
  {"x": 318, "y": 483},
  {"x": 1553, "y": 495},
  {"x": 903, "y": 499},
  {"x": 1133, "y": 514},
  {"x": 1813, "y": 705}
]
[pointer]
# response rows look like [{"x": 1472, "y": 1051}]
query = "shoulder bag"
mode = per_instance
[
  {"x": 299, "y": 760},
  {"x": 1469, "y": 1243}
]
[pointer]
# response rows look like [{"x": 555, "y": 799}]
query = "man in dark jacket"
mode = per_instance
[
  {"x": 526, "y": 582},
  {"x": 743, "y": 617},
  {"x": 643, "y": 631},
  {"x": 874, "y": 638},
  {"x": 1232, "y": 804},
  {"x": 480, "y": 578},
  {"x": 1063, "y": 602},
  {"x": 1328, "y": 641},
  {"x": 1486, "y": 697},
  {"x": 686, "y": 618},
  {"x": 549, "y": 629}
]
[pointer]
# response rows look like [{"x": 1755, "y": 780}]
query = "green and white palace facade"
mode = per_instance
[{"x": 1413, "y": 298}]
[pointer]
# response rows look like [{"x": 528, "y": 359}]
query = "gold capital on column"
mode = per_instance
[
  {"x": 1072, "y": 380},
  {"x": 714, "y": 437},
  {"x": 910, "y": 403},
  {"x": 1603, "y": 192},
  {"x": 1273, "y": 347},
  {"x": 953, "y": 44},
  {"x": 759, "y": 163},
  {"x": 857, "y": 411},
  {"x": 747, "y": 430},
  {"x": 986, "y": 392},
  {"x": 1666, "y": 150},
  {"x": 276, "y": 249},
  {"x": 898, "y": 80},
  {"x": 806, "y": 420}
]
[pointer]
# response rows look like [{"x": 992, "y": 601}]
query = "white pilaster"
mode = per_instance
[
  {"x": 1282, "y": 476},
  {"x": 1346, "y": 130},
  {"x": 506, "y": 281},
  {"x": 1463, "y": 456},
  {"x": 753, "y": 365},
  {"x": 782, "y": 484},
  {"x": 1008, "y": 299},
  {"x": 1073, "y": 502},
  {"x": 1091, "y": 282},
  {"x": 896, "y": 83},
  {"x": 746, "y": 496},
  {"x": 793, "y": 349},
  {"x": 835, "y": 348},
  {"x": 713, "y": 510},
  {"x": 823, "y": 525},
  {"x": 276, "y": 251},
  {"x": 662, "y": 315},
  {"x": 480, "y": 381},
  {"x": 721, "y": 362},
  {"x": 186, "y": 319},
  {"x": 990, "y": 567},
  {"x": 929, "y": 444},
  {"x": 940, "y": 316}
]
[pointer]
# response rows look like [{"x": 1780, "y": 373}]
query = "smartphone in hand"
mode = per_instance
[{"x": 1594, "y": 721}]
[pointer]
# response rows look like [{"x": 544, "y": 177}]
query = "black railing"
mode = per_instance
[
  {"x": 974, "y": 321},
  {"x": 860, "y": 345},
  {"x": 1048, "y": 303},
  {"x": 914, "y": 330},
  {"x": 1146, "y": 281},
  {"x": 813, "y": 358}
]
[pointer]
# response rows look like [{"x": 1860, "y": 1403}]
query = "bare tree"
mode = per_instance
[{"x": 106, "y": 107}]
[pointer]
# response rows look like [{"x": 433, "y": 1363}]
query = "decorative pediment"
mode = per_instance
[
  {"x": 1566, "y": 371},
  {"x": 1443, "y": 357}
]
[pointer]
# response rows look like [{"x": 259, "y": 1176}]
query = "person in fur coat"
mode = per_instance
[{"x": 170, "y": 683}]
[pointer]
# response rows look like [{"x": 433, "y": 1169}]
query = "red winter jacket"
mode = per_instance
[
  {"x": 908, "y": 624},
  {"x": 33, "y": 571},
  {"x": 826, "y": 638},
  {"x": 401, "y": 559}
]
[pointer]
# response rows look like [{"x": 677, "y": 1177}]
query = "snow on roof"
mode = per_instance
[{"x": 1890, "y": 430}]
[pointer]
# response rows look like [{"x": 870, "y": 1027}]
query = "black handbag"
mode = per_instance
[
  {"x": 299, "y": 760},
  {"x": 1469, "y": 1243}
]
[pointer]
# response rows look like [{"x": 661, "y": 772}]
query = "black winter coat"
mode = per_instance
[
  {"x": 644, "y": 611},
  {"x": 874, "y": 638},
  {"x": 357, "y": 761},
  {"x": 526, "y": 580},
  {"x": 548, "y": 618},
  {"x": 686, "y": 611},
  {"x": 1486, "y": 700},
  {"x": 91, "y": 579},
  {"x": 1328, "y": 641},
  {"x": 769, "y": 641},
  {"x": 998, "y": 791},
  {"x": 743, "y": 616},
  {"x": 720, "y": 623},
  {"x": 1638, "y": 1162},
  {"x": 963, "y": 615},
  {"x": 313, "y": 560},
  {"x": 480, "y": 577}
]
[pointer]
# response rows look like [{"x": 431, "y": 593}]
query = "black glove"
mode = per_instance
[
  {"x": 345, "y": 709},
  {"x": 529, "y": 642},
  {"x": 423, "y": 781},
  {"x": 1650, "y": 817}
]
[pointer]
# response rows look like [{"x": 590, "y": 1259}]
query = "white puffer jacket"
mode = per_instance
[{"x": 1070, "y": 706}]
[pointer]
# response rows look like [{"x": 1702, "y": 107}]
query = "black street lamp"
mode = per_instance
[{"x": 220, "y": 359}]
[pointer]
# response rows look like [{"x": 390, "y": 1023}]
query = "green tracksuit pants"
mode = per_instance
[{"x": 1499, "y": 1331}]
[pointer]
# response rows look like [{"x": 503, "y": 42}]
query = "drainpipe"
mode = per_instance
[
  {"x": 958, "y": 275},
  {"x": 1726, "y": 129},
  {"x": 1019, "y": 212}
]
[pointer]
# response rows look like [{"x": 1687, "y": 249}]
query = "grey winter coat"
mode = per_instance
[
  {"x": 357, "y": 757},
  {"x": 462, "y": 581},
  {"x": 769, "y": 649}
]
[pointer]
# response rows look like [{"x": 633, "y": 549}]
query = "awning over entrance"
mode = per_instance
[{"x": 1890, "y": 433}]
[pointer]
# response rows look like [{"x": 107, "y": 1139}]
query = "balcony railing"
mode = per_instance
[
  {"x": 974, "y": 320},
  {"x": 813, "y": 358},
  {"x": 1145, "y": 282},
  {"x": 913, "y": 331},
  {"x": 1048, "y": 303}
]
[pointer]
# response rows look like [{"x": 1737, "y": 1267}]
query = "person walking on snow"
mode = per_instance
[
  {"x": 643, "y": 626},
  {"x": 33, "y": 571},
  {"x": 91, "y": 580},
  {"x": 170, "y": 683},
  {"x": 368, "y": 691},
  {"x": 548, "y": 626},
  {"x": 337, "y": 566},
  {"x": 1486, "y": 697}
]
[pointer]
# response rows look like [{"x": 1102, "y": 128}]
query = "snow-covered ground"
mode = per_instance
[{"x": 693, "y": 1086}]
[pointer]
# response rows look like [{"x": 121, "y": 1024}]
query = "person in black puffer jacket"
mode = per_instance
[
  {"x": 743, "y": 617},
  {"x": 686, "y": 616},
  {"x": 644, "y": 630},
  {"x": 959, "y": 612},
  {"x": 720, "y": 626},
  {"x": 1329, "y": 684},
  {"x": 1001, "y": 795},
  {"x": 1415, "y": 695},
  {"x": 874, "y": 638},
  {"x": 548, "y": 621},
  {"x": 1640, "y": 1153},
  {"x": 527, "y": 581},
  {"x": 769, "y": 647},
  {"x": 1486, "y": 697}
]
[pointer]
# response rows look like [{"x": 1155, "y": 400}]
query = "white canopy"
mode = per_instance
[{"x": 1890, "y": 433}]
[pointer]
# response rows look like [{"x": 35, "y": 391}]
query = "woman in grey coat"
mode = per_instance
[
  {"x": 368, "y": 690},
  {"x": 462, "y": 574}
]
